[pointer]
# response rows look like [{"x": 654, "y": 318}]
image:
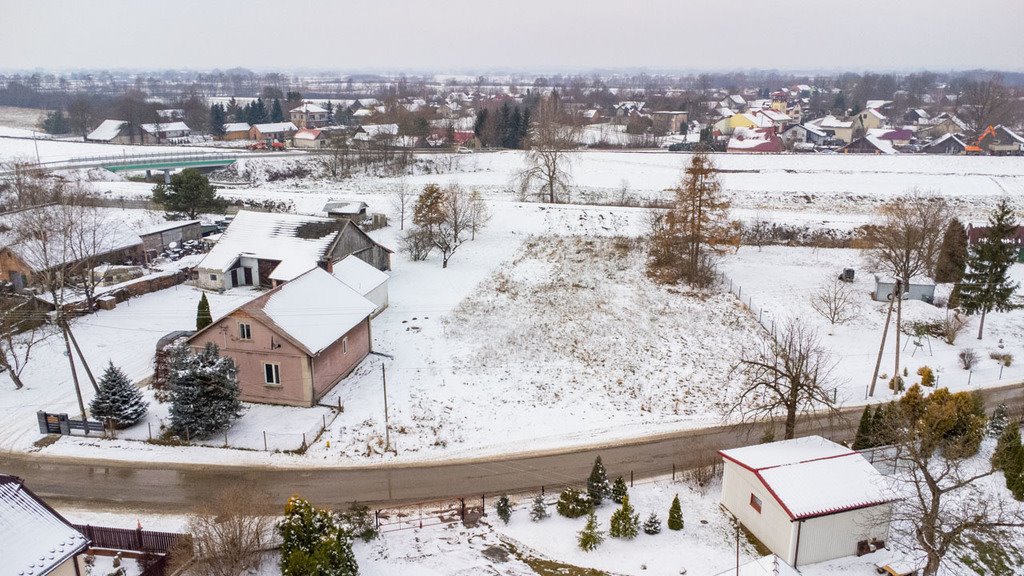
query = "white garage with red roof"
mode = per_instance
[{"x": 807, "y": 499}]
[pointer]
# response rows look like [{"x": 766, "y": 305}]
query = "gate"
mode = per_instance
[{"x": 61, "y": 424}]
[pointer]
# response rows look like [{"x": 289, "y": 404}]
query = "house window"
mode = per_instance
[
  {"x": 271, "y": 374},
  {"x": 755, "y": 502},
  {"x": 213, "y": 277},
  {"x": 344, "y": 345},
  {"x": 245, "y": 331}
]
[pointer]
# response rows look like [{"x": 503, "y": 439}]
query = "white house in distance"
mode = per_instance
[{"x": 808, "y": 499}]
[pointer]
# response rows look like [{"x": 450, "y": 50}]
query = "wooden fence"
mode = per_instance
[
  {"x": 127, "y": 539},
  {"x": 62, "y": 424}
]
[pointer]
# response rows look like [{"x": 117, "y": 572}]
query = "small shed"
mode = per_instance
[
  {"x": 236, "y": 131},
  {"x": 808, "y": 499},
  {"x": 368, "y": 281},
  {"x": 350, "y": 209},
  {"x": 920, "y": 288}
]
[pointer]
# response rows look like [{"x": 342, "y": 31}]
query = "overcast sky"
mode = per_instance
[{"x": 479, "y": 35}]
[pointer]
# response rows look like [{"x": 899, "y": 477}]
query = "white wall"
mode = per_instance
[
  {"x": 836, "y": 535},
  {"x": 379, "y": 296},
  {"x": 772, "y": 526}
]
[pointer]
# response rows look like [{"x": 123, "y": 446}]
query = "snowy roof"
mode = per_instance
[
  {"x": 308, "y": 108},
  {"x": 876, "y": 113},
  {"x": 759, "y": 120},
  {"x": 945, "y": 137},
  {"x": 774, "y": 115},
  {"x": 307, "y": 134},
  {"x": 33, "y": 538},
  {"x": 275, "y": 127},
  {"x": 107, "y": 130},
  {"x": 814, "y": 130},
  {"x": 166, "y": 127},
  {"x": 737, "y": 99},
  {"x": 1013, "y": 135},
  {"x": 299, "y": 240},
  {"x": 812, "y": 476},
  {"x": 103, "y": 232},
  {"x": 872, "y": 104},
  {"x": 833, "y": 122},
  {"x": 236, "y": 127},
  {"x": 359, "y": 275},
  {"x": 378, "y": 129},
  {"x": 754, "y": 140},
  {"x": 316, "y": 309},
  {"x": 345, "y": 207},
  {"x": 883, "y": 146}
]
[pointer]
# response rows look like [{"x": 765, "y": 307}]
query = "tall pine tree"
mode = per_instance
[
  {"x": 203, "y": 316},
  {"x": 598, "y": 487},
  {"x": 204, "y": 392},
  {"x": 118, "y": 402},
  {"x": 952, "y": 259},
  {"x": 986, "y": 285},
  {"x": 591, "y": 536},
  {"x": 625, "y": 522},
  {"x": 276, "y": 114},
  {"x": 218, "y": 116}
]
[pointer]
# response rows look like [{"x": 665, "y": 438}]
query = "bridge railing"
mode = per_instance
[{"x": 132, "y": 158}]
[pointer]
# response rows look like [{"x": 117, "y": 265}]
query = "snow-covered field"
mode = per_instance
[
  {"x": 779, "y": 283},
  {"x": 544, "y": 332}
]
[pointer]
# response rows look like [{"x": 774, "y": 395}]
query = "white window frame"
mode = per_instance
[
  {"x": 244, "y": 331},
  {"x": 275, "y": 374}
]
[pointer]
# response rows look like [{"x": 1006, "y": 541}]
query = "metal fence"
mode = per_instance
[{"x": 127, "y": 539}]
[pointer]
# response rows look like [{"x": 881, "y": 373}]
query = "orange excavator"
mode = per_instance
[{"x": 975, "y": 147}]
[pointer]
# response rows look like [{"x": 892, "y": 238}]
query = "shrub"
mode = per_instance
[
  {"x": 968, "y": 358},
  {"x": 927, "y": 376},
  {"x": 952, "y": 325},
  {"x": 572, "y": 503},
  {"x": 417, "y": 244},
  {"x": 625, "y": 521},
  {"x": 1003, "y": 358}
]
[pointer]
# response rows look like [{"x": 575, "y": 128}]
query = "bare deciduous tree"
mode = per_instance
[
  {"x": 21, "y": 328},
  {"x": 834, "y": 302},
  {"x": 791, "y": 374},
  {"x": 228, "y": 535},
  {"x": 446, "y": 216},
  {"x": 551, "y": 140},
  {"x": 479, "y": 214},
  {"x": 401, "y": 197},
  {"x": 905, "y": 242}
]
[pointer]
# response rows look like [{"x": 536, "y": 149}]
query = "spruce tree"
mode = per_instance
[
  {"x": 876, "y": 437},
  {"x": 118, "y": 400},
  {"x": 998, "y": 422},
  {"x": 204, "y": 392},
  {"x": 203, "y": 317},
  {"x": 861, "y": 440},
  {"x": 276, "y": 114},
  {"x": 597, "y": 484},
  {"x": 619, "y": 490},
  {"x": 986, "y": 285},
  {"x": 313, "y": 543},
  {"x": 952, "y": 259},
  {"x": 217, "y": 119},
  {"x": 591, "y": 536},
  {"x": 675, "y": 515},
  {"x": 189, "y": 193},
  {"x": 503, "y": 508},
  {"x": 539, "y": 510},
  {"x": 625, "y": 521},
  {"x": 652, "y": 525}
]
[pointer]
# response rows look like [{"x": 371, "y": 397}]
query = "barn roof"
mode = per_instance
[
  {"x": 34, "y": 539},
  {"x": 812, "y": 476},
  {"x": 107, "y": 130}
]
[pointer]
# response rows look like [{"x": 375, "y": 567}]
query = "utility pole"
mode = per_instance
[
  {"x": 74, "y": 375},
  {"x": 387, "y": 425},
  {"x": 81, "y": 356},
  {"x": 896, "y": 292}
]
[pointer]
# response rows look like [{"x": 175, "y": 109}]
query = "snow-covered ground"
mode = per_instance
[{"x": 780, "y": 281}]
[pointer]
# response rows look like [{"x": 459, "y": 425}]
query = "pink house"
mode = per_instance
[{"x": 294, "y": 343}]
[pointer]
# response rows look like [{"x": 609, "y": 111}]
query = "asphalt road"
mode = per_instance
[{"x": 183, "y": 487}]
